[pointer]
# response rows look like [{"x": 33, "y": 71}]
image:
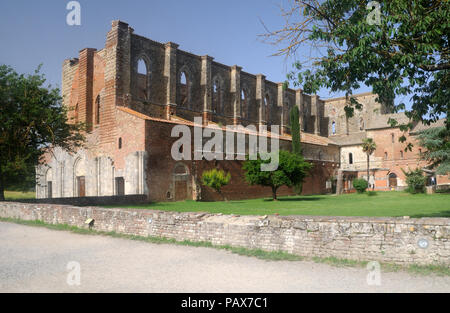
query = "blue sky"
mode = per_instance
[{"x": 34, "y": 32}]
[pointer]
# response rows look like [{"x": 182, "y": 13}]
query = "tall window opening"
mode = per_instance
[
  {"x": 97, "y": 110},
  {"x": 217, "y": 106},
  {"x": 184, "y": 89},
  {"x": 350, "y": 158},
  {"x": 143, "y": 79},
  {"x": 267, "y": 108},
  {"x": 333, "y": 128},
  {"x": 244, "y": 104}
]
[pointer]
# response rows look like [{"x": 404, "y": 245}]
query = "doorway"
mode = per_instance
[
  {"x": 120, "y": 186},
  {"x": 392, "y": 180},
  {"x": 81, "y": 186},
  {"x": 49, "y": 190}
]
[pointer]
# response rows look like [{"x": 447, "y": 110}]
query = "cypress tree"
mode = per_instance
[
  {"x": 296, "y": 145},
  {"x": 295, "y": 130}
]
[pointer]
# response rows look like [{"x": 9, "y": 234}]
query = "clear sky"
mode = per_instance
[{"x": 34, "y": 32}]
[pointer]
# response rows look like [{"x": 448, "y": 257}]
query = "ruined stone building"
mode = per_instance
[{"x": 134, "y": 91}]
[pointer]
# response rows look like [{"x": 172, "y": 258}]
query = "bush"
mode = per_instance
[
  {"x": 415, "y": 181},
  {"x": 216, "y": 179},
  {"x": 360, "y": 185}
]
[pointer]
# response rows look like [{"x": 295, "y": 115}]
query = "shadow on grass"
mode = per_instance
[
  {"x": 437, "y": 214},
  {"x": 298, "y": 199}
]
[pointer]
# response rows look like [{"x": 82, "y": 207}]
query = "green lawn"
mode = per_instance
[
  {"x": 14, "y": 195},
  {"x": 381, "y": 204}
]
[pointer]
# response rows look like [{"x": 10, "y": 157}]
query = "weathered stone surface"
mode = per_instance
[{"x": 356, "y": 238}]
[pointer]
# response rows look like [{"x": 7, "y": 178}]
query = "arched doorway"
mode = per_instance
[
  {"x": 49, "y": 183},
  {"x": 79, "y": 174},
  {"x": 181, "y": 182},
  {"x": 392, "y": 180}
]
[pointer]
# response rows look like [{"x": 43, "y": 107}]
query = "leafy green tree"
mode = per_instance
[
  {"x": 292, "y": 170},
  {"x": 437, "y": 142},
  {"x": 32, "y": 121},
  {"x": 369, "y": 146},
  {"x": 216, "y": 179},
  {"x": 415, "y": 181},
  {"x": 397, "y": 47}
]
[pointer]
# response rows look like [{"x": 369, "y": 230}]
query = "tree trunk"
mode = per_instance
[
  {"x": 274, "y": 194},
  {"x": 368, "y": 172},
  {"x": 223, "y": 196},
  {"x": 2, "y": 186}
]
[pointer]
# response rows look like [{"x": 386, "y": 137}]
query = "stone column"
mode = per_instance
[
  {"x": 236, "y": 93},
  {"x": 206, "y": 88},
  {"x": 339, "y": 184},
  {"x": 170, "y": 75},
  {"x": 315, "y": 108},
  {"x": 260, "y": 91}
]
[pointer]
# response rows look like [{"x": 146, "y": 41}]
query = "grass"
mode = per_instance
[
  {"x": 16, "y": 195},
  {"x": 380, "y": 204},
  {"x": 440, "y": 270}
]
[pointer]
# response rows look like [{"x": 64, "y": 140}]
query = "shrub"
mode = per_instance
[
  {"x": 360, "y": 185},
  {"x": 415, "y": 181},
  {"x": 216, "y": 179}
]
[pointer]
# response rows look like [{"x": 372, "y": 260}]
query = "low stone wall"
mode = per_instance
[{"x": 394, "y": 240}]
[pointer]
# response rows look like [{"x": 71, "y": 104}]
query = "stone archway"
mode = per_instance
[
  {"x": 181, "y": 182},
  {"x": 49, "y": 183},
  {"x": 392, "y": 180},
  {"x": 79, "y": 177}
]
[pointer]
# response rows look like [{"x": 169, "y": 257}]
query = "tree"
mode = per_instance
[
  {"x": 295, "y": 130},
  {"x": 397, "y": 47},
  {"x": 296, "y": 141},
  {"x": 415, "y": 180},
  {"x": 369, "y": 146},
  {"x": 436, "y": 140},
  {"x": 216, "y": 179},
  {"x": 32, "y": 121},
  {"x": 292, "y": 170}
]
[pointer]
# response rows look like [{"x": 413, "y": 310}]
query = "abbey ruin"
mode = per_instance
[{"x": 132, "y": 92}]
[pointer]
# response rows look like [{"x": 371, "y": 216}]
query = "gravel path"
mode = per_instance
[{"x": 35, "y": 259}]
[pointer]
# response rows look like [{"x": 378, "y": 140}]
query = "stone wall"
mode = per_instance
[{"x": 394, "y": 240}]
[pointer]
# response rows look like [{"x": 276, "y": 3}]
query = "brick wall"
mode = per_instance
[{"x": 358, "y": 238}]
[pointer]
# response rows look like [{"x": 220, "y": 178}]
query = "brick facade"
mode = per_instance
[{"x": 134, "y": 91}]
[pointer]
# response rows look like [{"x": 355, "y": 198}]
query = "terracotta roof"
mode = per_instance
[
  {"x": 350, "y": 139},
  {"x": 381, "y": 120},
  {"x": 305, "y": 137},
  {"x": 420, "y": 126}
]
